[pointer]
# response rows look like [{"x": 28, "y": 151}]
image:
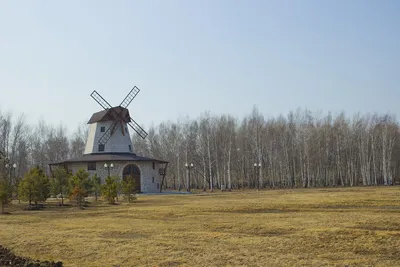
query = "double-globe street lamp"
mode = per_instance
[
  {"x": 108, "y": 167},
  {"x": 188, "y": 168},
  {"x": 11, "y": 167}
]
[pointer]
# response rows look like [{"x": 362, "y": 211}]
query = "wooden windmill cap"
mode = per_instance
[{"x": 107, "y": 115}]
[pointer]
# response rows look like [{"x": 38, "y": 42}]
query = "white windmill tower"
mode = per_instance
[{"x": 108, "y": 132}]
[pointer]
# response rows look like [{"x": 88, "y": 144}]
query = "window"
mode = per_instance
[
  {"x": 130, "y": 148},
  {"x": 153, "y": 180},
  {"x": 101, "y": 147},
  {"x": 91, "y": 166},
  {"x": 158, "y": 186},
  {"x": 154, "y": 165},
  {"x": 102, "y": 129}
]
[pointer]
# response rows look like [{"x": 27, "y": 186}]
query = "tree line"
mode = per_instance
[{"x": 301, "y": 149}]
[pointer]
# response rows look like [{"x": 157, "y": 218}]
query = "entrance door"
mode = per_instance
[{"x": 132, "y": 171}]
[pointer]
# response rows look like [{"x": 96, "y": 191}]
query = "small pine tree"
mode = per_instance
[
  {"x": 129, "y": 189},
  {"x": 96, "y": 185},
  {"x": 16, "y": 185},
  {"x": 119, "y": 185},
  {"x": 4, "y": 192},
  {"x": 59, "y": 183},
  {"x": 79, "y": 186},
  {"x": 109, "y": 189},
  {"x": 35, "y": 186}
]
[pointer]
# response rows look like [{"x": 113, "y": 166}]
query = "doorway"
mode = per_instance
[{"x": 132, "y": 171}]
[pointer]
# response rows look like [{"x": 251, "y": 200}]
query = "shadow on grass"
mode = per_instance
[
  {"x": 382, "y": 226},
  {"x": 252, "y": 230},
  {"x": 123, "y": 235},
  {"x": 310, "y": 208}
]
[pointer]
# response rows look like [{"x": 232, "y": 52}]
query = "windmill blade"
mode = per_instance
[
  {"x": 106, "y": 136},
  {"x": 99, "y": 99},
  {"x": 131, "y": 95},
  {"x": 137, "y": 128}
]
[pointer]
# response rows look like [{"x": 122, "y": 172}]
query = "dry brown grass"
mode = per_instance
[{"x": 302, "y": 227}]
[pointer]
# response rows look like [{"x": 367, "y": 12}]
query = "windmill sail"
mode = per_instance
[
  {"x": 107, "y": 135},
  {"x": 131, "y": 95},
  {"x": 119, "y": 115},
  {"x": 136, "y": 127},
  {"x": 99, "y": 99}
]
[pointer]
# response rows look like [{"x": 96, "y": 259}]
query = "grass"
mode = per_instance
[{"x": 302, "y": 227}]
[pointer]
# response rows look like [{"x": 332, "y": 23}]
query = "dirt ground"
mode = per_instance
[{"x": 7, "y": 258}]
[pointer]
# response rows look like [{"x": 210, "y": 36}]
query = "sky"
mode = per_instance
[{"x": 192, "y": 56}]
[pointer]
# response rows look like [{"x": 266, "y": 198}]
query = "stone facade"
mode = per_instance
[{"x": 150, "y": 179}]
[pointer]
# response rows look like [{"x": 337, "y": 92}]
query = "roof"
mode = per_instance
[
  {"x": 95, "y": 157},
  {"x": 106, "y": 115}
]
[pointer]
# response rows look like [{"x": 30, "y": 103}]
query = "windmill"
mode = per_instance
[
  {"x": 117, "y": 117},
  {"x": 108, "y": 150}
]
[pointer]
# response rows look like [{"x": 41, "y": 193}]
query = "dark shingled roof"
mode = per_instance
[
  {"x": 95, "y": 157},
  {"x": 104, "y": 115}
]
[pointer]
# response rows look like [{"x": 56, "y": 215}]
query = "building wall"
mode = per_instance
[
  {"x": 117, "y": 142},
  {"x": 146, "y": 173}
]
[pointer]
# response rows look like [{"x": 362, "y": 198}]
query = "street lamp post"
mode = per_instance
[
  {"x": 257, "y": 167},
  {"x": 188, "y": 167},
  {"x": 11, "y": 167},
  {"x": 108, "y": 167}
]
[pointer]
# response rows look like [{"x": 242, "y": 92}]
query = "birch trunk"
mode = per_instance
[
  {"x": 209, "y": 162},
  {"x": 384, "y": 159},
  {"x": 178, "y": 173},
  {"x": 229, "y": 166},
  {"x": 204, "y": 174}
]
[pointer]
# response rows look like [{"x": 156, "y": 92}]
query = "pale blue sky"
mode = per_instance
[{"x": 191, "y": 56}]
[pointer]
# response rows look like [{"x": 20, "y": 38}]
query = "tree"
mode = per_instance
[
  {"x": 118, "y": 181},
  {"x": 129, "y": 189},
  {"x": 96, "y": 185},
  {"x": 37, "y": 144},
  {"x": 4, "y": 192},
  {"x": 77, "y": 143},
  {"x": 109, "y": 189},
  {"x": 59, "y": 183},
  {"x": 79, "y": 186},
  {"x": 34, "y": 186}
]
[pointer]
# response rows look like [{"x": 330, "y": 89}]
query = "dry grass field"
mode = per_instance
[{"x": 302, "y": 227}]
